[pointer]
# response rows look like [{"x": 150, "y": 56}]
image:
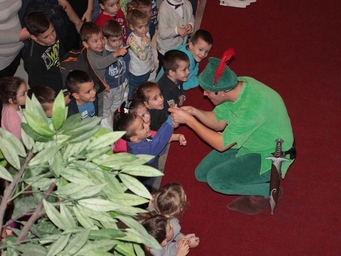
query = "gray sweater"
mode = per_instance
[{"x": 10, "y": 44}]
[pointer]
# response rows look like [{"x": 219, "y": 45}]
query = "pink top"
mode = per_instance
[
  {"x": 11, "y": 119},
  {"x": 121, "y": 145}
]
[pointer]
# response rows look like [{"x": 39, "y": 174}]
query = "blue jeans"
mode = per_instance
[{"x": 135, "y": 82}]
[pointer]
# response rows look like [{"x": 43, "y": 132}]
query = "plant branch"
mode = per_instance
[
  {"x": 9, "y": 190},
  {"x": 38, "y": 213}
]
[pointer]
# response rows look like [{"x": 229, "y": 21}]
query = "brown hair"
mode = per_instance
[
  {"x": 44, "y": 94},
  {"x": 204, "y": 35},
  {"x": 88, "y": 29},
  {"x": 172, "y": 58},
  {"x": 170, "y": 200},
  {"x": 142, "y": 92},
  {"x": 37, "y": 23},
  {"x": 124, "y": 123},
  {"x": 112, "y": 28},
  {"x": 156, "y": 226},
  {"x": 133, "y": 15},
  {"x": 9, "y": 87},
  {"x": 75, "y": 78}
]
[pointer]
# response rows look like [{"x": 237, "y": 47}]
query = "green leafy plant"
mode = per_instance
[{"x": 71, "y": 194}]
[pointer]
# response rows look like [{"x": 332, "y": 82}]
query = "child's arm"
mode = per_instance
[
  {"x": 183, "y": 247},
  {"x": 193, "y": 240},
  {"x": 121, "y": 52},
  {"x": 71, "y": 14},
  {"x": 179, "y": 137},
  {"x": 159, "y": 142},
  {"x": 100, "y": 62},
  {"x": 87, "y": 16},
  {"x": 141, "y": 51}
]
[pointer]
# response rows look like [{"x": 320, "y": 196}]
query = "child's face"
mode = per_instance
[
  {"x": 110, "y": 7},
  {"x": 21, "y": 95},
  {"x": 140, "y": 28},
  {"x": 95, "y": 43},
  {"x": 143, "y": 112},
  {"x": 155, "y": 99},
  {"x": 182, "y": 72},
  {"x": 199, "y": 50},
  {"x": 87, "y": 93},
  {"x": 142, "y": 130},
  {"x": 114, "y": 43},
  {"x": 48, "y": 108},
  {"x": 47, "y": 38}
]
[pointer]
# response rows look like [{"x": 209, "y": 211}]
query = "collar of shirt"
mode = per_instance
[{"x": 175, "y": 4}]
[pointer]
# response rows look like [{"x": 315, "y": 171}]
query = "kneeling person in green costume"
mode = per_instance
[{"x": 243, "y": 127}]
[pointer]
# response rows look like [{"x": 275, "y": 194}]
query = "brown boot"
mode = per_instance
[{"x": 251, "y": 205}]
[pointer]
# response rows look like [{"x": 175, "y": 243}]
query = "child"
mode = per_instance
[
  {"x": 176, "y": 23},
  {"x": 150, "y": 9},
  {"x": 116, "y": 75},
  {"x": 93, "y": 41},
  {"x": 42, "y": 54},
  {"x": 111, "y": 11},
  {"x": 159, "y": 227},
  {"x": 176, "y": 65},
  {"x": 138, "y": 108},
  {"x": 12, "y": 95},
  {"x": 83, "y": 93},
  {"x": 197, "y": 50},
  {"x": 46, "y": 96},
  {"x": 140, "y": 51},
  {"x": 150, "y": 94},
  {"x": 171, "y": 202}
]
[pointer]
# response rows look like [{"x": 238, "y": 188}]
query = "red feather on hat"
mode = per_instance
[{"x": 220, "y": 69}]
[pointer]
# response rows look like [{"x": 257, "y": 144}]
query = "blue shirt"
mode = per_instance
[{"x": 87, "y": 110}]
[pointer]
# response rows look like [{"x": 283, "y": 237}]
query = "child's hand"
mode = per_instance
[
  {"x": 182, "y": 140},
  {"x": 182, "y": 31},
  {"x": 183, "y": 247},
  {"x": 188, "y": 28},
  {"x": 181, "y": 100},
  {"x": 193, "y": 240},
  {"x": 121, "y": 52}
]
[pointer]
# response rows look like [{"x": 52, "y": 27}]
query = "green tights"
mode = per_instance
[{"x": 225, "y": 173}]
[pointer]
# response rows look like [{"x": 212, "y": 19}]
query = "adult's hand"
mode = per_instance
[{"x": 180, "y": 115}]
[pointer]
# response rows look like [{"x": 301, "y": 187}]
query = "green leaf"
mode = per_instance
[
  {"x": 82, "y": 218},
  {"x": 95, "y": 247},
  {"x": 70, "y": 189},
  {"x": 83, "y": 126},
  {"x": 130, "y": 222},
  {"x": 23, "y": 206},
  {"x": 105, "y": 140},
  {"x": 56, "y": 164},
  {"x": 32, "y": 249},
  {"x": 58, "y": 245},
  {"x": 106, "y": 234},
  {"x": 124, "y": 248},
  {"x": 9, "y": 153},
  {"x": 66, "y": 215},
  {"x": 38, "y": 125},
  {"x": 34, "y": 107},
  {"x": 45, "y": 155},
  {"x": 75, "y": 149},
  {"x": 76, "y": 176},
  {"x": 127, "y": 199},
  {"x": 34, "y": 135},
  {"x": 15, "y": 143},
  {"x": 58, "y": 111},
  {"x": 93, "y": 154},
  {"x": 76, "y": 243},
  {"x": 135, "y": 185},
  {"x": 141, "y": 170},
  {"x": 90, "y": 191},
  {"x": 4, "y": 174},
  {"x": 27, "y": 140},
  {"x": 70, "y": 122},
  {"x": 54, "y": 215},
  {"x": 115, "y": 161},
  {"x": 83, "y": 136},
  {"x": 99, "y": 204}
]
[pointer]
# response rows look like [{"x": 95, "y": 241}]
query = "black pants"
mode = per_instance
[{"x": 12, "y": 68}]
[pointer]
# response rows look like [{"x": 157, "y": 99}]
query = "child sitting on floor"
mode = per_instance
[
  {"x": 159, "y": 227},
  {"x": 171, "y": 202},
  {"x": 12, "y": 96}
]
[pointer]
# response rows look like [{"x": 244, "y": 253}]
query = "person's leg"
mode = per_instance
[{"x": 11, "y": 68}]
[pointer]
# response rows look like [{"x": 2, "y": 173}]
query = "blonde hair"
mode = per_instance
[{"x": 170, "y": 200}]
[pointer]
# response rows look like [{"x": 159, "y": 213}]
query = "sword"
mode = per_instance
[{"x": 277, "y": 160}]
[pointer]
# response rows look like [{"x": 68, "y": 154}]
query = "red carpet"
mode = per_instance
[{"x": 293, "y": 47}]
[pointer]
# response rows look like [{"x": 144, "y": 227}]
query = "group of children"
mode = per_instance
[{"x": 118, "y": 49}]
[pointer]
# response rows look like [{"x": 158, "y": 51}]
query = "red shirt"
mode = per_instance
[{"x": 119, "y": 17}]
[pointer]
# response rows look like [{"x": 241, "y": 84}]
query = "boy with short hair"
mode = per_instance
[
  {"x": 42, "y": 54},
  {"x": 111, "y": 10},
  {"x": 116, "y": 75},
  {"x": 83, "y": 93},
  {"x": 197, "y": 50},
  {"x": 175, "y": 65},
  {"x": 93, "y": 41}
]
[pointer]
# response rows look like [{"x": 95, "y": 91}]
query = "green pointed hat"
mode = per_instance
[{"x": 211, "y": 81}]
